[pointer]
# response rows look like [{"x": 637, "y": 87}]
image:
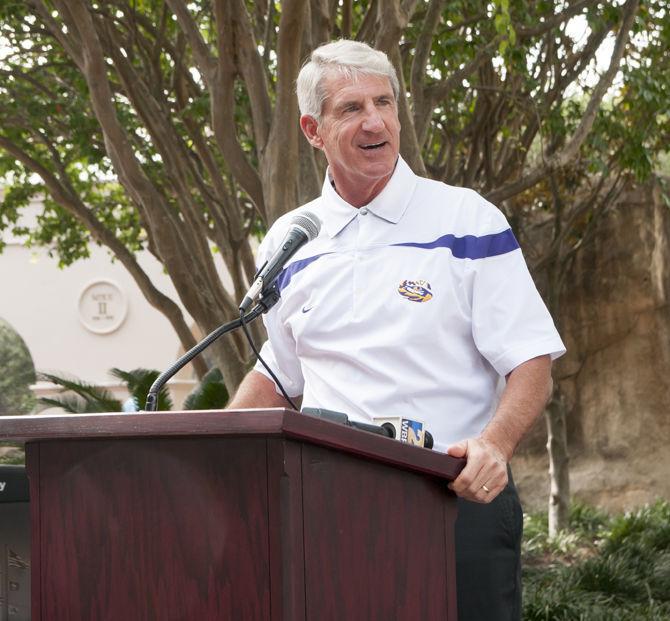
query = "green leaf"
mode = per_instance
[
  {"x": 86, "y": 398},
  {"x": 210, "y": 394},
  {"x": 139, "y": 382}
]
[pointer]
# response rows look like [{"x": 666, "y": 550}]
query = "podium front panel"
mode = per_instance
[
  {"x": 378, "y": 541},
  {"x": 169, "y": 529}
]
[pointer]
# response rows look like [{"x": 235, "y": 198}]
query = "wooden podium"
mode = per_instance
[{"x": 234, "y": 515}]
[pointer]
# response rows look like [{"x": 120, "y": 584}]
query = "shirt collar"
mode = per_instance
[{"x": 390, "y": 204}]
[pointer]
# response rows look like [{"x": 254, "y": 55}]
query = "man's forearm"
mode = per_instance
[
  {"x": 485, "y": 474},
  {"x": 257, "y": 391},
  {"x": 525, "y": 396}
]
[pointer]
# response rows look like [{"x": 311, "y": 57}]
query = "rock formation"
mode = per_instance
[{"x": 615, "y": 321}]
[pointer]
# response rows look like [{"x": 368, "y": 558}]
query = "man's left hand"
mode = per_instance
[{"x": 485, "y": 473}]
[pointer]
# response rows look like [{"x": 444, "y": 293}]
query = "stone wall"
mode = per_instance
[{"x": 615, "y": 321}]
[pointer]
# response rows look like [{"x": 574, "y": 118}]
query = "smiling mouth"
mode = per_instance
[{"x": 376, "y": 145}]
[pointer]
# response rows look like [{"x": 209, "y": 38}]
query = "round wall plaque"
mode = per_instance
[{"x": 102, "y": 307}]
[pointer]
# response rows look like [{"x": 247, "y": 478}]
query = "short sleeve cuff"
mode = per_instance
[
  {"x": 512, "y": 358},
  {"x": 293, "y": 387}
]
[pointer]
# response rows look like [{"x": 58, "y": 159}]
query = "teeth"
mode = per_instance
[{"x": 372, "y": 146}]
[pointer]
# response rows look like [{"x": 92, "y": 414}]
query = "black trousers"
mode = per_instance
[{"x": 488, "y": 558}]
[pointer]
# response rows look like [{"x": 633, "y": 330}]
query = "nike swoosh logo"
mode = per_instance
[{"x": 306, "y": 310}]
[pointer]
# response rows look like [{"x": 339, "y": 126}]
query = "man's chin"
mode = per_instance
[{"x": 376, "y": 170}]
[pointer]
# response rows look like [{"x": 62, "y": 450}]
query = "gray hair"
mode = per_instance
[{"x": 349, "y": 58}]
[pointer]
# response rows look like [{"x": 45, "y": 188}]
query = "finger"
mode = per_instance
[
  {"x": 490, "y": 485},
  {"x": 490, "y": 474},
  {"x": 458, "y": 450},
  {"x": 463, "y": 483}
]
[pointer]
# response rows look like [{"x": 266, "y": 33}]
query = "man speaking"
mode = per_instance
[{"x": 414, "y": 300}]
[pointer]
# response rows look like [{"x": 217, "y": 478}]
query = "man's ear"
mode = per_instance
[{"x": 310, "y": 128}]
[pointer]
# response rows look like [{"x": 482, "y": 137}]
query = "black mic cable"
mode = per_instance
[
  {"x": 161, "y": 380},
  {"x": 260, "y": 358},
  {"x": 305, "y": 226}
]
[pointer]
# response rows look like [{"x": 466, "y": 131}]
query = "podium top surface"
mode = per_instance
[{"x": 275, "y": 422}]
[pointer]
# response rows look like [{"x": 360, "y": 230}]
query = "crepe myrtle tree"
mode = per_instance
[{"x": 171, "y": 126}]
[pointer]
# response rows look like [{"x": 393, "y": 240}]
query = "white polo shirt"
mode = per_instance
[{"x": 414, "y": 305}]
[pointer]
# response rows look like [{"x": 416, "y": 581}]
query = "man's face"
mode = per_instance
[{"x": 359, "y": 131}]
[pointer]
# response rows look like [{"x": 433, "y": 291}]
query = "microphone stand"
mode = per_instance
[{"x": 266, "y": 301}]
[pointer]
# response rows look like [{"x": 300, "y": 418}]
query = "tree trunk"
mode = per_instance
[{"x": 559, "y": 472}]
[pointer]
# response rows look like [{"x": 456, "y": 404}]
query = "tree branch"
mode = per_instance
[
  {"x": 418, "y": 70},
  {"x": 550, "y": 22},
  {"x": 70, "y": 201},
  {"x": 279, "y": 182},
  {"x": 392, "y": 18},
  {"x": 250, "y": 64},
  {"x": 220, "y": 78},
  {"x": 563, "y": 157}
]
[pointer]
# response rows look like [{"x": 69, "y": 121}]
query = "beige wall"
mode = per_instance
[{"x": 41, "y": 302}]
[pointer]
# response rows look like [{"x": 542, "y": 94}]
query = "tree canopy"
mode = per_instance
[{"x": 172, "y": 126}]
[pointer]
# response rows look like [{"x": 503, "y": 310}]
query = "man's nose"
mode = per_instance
[{"x": 373, "y": 121}]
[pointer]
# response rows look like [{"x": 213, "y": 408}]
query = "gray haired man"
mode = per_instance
[{"x": 414, "y": 297}]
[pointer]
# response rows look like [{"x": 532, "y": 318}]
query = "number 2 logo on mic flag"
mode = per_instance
[{"x": 411, "y": 431}]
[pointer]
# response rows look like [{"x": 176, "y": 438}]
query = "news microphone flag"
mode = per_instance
[{"x": 406, "y": 430}]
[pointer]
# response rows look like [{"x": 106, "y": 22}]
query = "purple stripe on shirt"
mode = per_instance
[
  {"x": 466, "y": 247},
  {"x": 289, "y": 272},
  {"x": 471, "y": 246}
]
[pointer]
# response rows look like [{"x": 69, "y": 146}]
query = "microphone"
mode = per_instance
[
  {"x": 304, "y": 228},
  {"x": 406, "y": 430},
  {"x": 342, "y": 419}
]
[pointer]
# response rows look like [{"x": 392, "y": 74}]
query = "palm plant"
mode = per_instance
[
  {"x": 138, "y": 382},
  {"x": 80, "y": 397},
  {"x": 209, "y": 394}
]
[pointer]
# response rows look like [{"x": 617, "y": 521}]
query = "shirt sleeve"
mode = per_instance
[
  {"x": 510, "y": 322},
  {"x": 279, "y": 351},
  {"x": 279, "y": 354}
]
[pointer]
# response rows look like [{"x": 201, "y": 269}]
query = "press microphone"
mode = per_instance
[
  {"x": 304, "y": 228},
  {"x": 403, "y": 429},
  {"x": 406, "y": 430},
  {"x": 342, "y": 419}
]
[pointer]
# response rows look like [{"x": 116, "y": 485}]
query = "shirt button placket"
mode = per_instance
[{"x": 359, "y": 275}]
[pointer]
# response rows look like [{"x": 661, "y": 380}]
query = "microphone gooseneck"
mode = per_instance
[
  {"x": 161, "y": 380},
  {"x": 304, "y": 227}
]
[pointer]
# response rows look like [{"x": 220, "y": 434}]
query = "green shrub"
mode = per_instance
[
  {"x": 610, "y": 568},
  {"x": 12, "y": 453}
]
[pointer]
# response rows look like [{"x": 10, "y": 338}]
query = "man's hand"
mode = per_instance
[
  {"x": 484, "y": 475},
  {"x": 526, "y": 393}
]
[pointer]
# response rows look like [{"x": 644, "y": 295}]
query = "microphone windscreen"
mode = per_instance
[{"x": 309, "y": 223}]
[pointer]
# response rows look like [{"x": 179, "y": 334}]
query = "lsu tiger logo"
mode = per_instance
[{"x": 415, "y": 290}]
